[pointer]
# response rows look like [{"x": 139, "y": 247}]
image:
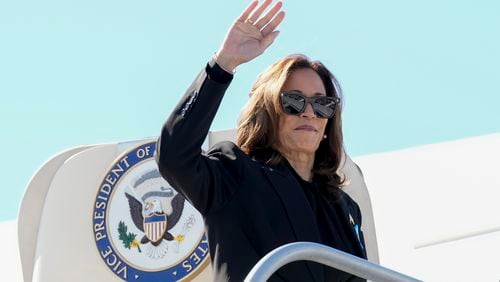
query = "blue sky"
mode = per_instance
[{"x": 88, "y": 72}]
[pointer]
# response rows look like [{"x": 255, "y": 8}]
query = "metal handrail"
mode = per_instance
[{"x": 325, "y": 255}]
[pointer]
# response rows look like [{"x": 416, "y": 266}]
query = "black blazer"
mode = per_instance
[{"x": 249, "y": 208}]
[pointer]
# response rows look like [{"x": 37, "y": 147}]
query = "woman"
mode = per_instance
[{"x": 279, "y": 184}]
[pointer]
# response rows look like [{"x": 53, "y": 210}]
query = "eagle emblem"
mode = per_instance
[{"x": 152, "y": 219}]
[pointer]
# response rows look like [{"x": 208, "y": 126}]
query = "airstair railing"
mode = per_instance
[{"x": 325, "y": 255}]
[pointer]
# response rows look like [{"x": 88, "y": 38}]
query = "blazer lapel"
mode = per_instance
[
  {"x": 299, "y": 211},
  {"x": 355, "y": 229}
]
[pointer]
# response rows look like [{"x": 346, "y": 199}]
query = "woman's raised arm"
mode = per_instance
[{"x": 209, "y": 182}]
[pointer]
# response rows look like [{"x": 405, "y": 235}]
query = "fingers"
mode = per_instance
[
  {"x": 273, "y": 24},
  {"x": 269, "y": 15},
  {"x": 256, "y": 14},
  {"x": 246, "y": 13}
]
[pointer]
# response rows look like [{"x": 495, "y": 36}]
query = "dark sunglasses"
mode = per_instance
[{"x": 294, "y": 103}]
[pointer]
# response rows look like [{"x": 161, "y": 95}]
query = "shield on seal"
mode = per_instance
[{"x": 155, "y": 226}]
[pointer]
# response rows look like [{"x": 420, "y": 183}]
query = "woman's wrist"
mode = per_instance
[{"x": 225, "y": 63}]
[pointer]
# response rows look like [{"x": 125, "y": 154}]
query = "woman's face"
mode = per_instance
[{"x": 302, "y": 133}]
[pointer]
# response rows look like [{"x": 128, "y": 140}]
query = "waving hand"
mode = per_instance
[{"x": 250, "y": 34}]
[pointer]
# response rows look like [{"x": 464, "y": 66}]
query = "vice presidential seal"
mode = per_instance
[{"x": 144, "y": 230}]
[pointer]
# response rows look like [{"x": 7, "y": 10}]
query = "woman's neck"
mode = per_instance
[{"x": 302, "y": 163}]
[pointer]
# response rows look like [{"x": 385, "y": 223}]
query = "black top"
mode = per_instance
[{"x": 332, "y": 221}]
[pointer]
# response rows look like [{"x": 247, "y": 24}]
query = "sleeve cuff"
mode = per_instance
[{"x": 218, "y": 74}]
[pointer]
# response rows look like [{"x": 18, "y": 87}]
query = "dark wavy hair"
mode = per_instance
[{"x": 258, "y": 124}]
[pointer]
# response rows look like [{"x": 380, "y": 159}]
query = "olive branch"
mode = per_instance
[{"x": 128, "y": 240}]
